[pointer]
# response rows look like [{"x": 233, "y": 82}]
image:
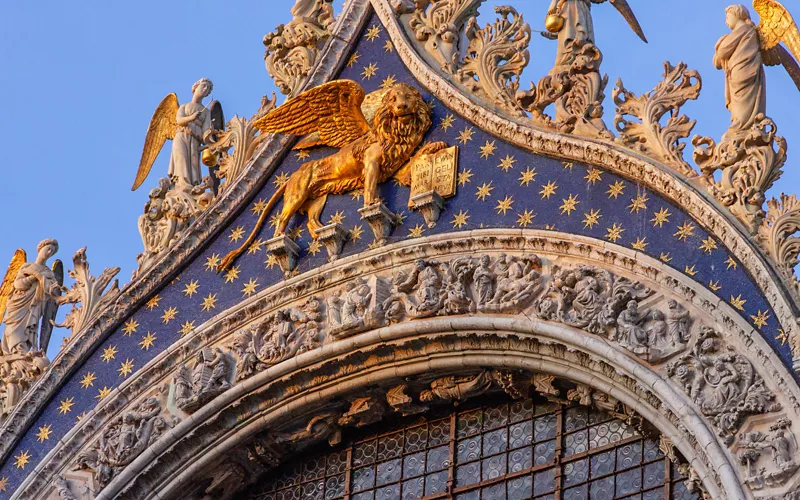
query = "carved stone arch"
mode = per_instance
[{"x": 359, "y": 357}]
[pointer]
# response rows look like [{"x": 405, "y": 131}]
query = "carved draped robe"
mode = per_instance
[
  {"x": 739, "y": 55},
  {"x": 578, "y": 25},
  {"x": 184, "y": 164},
  {"x": 24, "y": 309}
]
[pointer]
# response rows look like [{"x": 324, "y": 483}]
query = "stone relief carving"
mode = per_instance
[
  {"x": 241, "y": 135},
  {"x": 209, "y": 378},
  {"x": 439, "y": 25},
  {"x": 777, "y": 234},
  {"x": 292, "y": 50},
  {"x": 172, "y": 207},
  {"x": 783, "y": 447},
  {"x": 722, "y": 383},
  {"x": 281, "y": 336},
  {"x": 402, "y": 402},
  {"x": 495, "y": 58},
  {"x": 124, "y": 439},
  {"x": 363, "y": 412},
  {"x": 649, "y": 136},
  {"x": 593, "y": 299},
  {"x": 357, "y": 307},
  {"x": 90, "y": 292}
]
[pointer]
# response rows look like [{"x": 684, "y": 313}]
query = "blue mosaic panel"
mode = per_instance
[{"x": 499, "y": 185}]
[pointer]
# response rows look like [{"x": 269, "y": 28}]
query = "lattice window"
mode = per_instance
[{"x": 532, "y": 449}]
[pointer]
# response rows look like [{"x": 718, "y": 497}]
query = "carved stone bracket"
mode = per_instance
[
  {"x": 661, "y": 142},
  {"x": 285, "y": 250},
  {"x": 402, "y": 402},
  {"x": 333, "y": 237},
  {"x": 750, "y": 163},
  {"x": 431, "y": 205},
  {"x": 380, "y": 219}
]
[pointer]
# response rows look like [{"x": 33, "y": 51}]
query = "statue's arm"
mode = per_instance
[
  {"x": 25, "y": 280},
  {"x": 181, "y": 119}
]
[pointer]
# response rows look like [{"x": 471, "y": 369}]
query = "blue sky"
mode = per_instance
[{"x": 80, "y": 81}]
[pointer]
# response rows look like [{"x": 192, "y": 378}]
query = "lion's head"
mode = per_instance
[{"x": 400, "y": 122}]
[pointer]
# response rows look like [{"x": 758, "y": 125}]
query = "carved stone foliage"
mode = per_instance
[
  {"x": 722, "y": 383},
  {"x": 648, "y": 135},
  {"x": 171, "y": 209},
  {"x": 241, "y": 135},
  {"x": 207, "y": 379},
  {"x": 781, "y": 444},
  {"x": 280, "y": 336},
  {"x": 439, "y": 25},
  {"x": 495, "y": 58},
  {"x": 577, "y": 90},
  {"x": 88, "y": 291},
  {"x": 124, "y": 439},
  {"x": 18, "y": 373},
  {"x": 777, "y": 234},
  {"x": 292, "y": 50},
  {"x": 750, "y": 163}
]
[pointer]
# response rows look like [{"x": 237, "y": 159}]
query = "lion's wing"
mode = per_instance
[{"x": 333, "y": 109}]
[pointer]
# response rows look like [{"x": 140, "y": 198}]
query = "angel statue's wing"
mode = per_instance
[
  {"x": 50, "y": 309},
  {"x": 626, "y": 11},
  {"x": 7, "y": 286},
  {"x": 777, "y": 26},
  {"x": 163, "y": 126},
  {"x": 332, "y": 109},
  {"x": 217, "y": 123}
]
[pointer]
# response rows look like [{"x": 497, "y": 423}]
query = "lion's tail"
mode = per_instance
[{"x": 232, "y": 256}]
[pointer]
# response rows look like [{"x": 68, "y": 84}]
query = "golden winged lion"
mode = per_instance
[
  {"x": 743, "y": 53},
  {"x": 369, "y": 152}
]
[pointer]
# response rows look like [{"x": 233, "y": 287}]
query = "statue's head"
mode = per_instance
[
  {"x": 737, "y": 14},
  {"x": 202, "y": 86},
  {"x": 47, "y": 248}
]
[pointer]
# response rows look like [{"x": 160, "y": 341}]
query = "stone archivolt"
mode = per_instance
[{"x": 522, "y": 278}]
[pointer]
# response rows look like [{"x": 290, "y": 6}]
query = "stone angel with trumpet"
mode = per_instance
[
  {"x": 376, "y": 135},
  {"x": 743, "y": 53}
]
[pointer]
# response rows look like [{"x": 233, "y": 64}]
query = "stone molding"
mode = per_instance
[
  {"x": 567, "y": 248},
  {"x": 612, "y": 157}
]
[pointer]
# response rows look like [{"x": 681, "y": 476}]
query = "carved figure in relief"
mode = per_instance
[
  {"x": 723, "y": 384},
  {"x": 62, "y": 487},
  {"x": 484, "y": 279},
  {"x": 678, "y": 322},
  {"x": 282, "y": 335},
  {"x": 457, "y": 299},
  {"x": 350, "y": 311},
  {"x": 456, "y": 388},
  {"x": 783, "y": 447},
  {"x": 207, "y": 380},
  {"x": 124, "y": 439},
  {"x": 630, "y": 331},
  {"x": 369, "y": 153}
]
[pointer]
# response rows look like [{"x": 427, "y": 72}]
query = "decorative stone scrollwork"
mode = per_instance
[
  {"x": 281, "y": 336},
  {"x": 661, "y": 142},
  {"x": 171, "y": 209},
  {"x": 124, "y": 439},
  {"x": 577, "y": 90},
  {"x": 292, "y": 50},
  {"x": 440, "y": 25},
  {"x": 777, "y": 235},
  {"x": 723, "y": 384},
  {"x": 750, "y": 162},
  {"x": 781, "y": 442},
  {"x": 495, "y": 58},
  {"x": 209, "y": 378},
  {"x": 241, "y": 135},
  {"x": 88, "y": 291}
]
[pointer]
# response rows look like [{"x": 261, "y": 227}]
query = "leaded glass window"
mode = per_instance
[{"x": 509, "y": 450}]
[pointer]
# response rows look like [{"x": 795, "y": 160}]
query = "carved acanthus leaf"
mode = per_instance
[
  {"x": 495, "y": 58},
  {"x": 240, "y": 135},
  {"x": 661, "y": 142},
  {"x": 440, "y": 27},
  {"x": 750, "y": 163},
  {"x": 778, "y": 236},
  {"x": 88, "y": 291}
]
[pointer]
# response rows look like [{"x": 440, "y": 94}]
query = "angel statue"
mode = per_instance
[
  {"x": 578, "y": 62},
  {"x": 28, "y": 294},
  {"x": 188, "y": 126},
  {"x": 743, "y": 53}
]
